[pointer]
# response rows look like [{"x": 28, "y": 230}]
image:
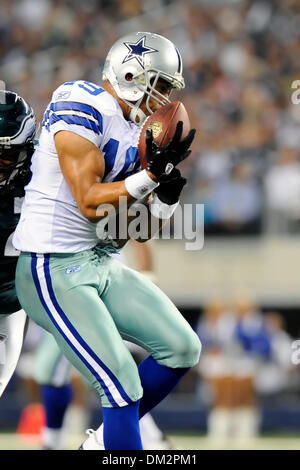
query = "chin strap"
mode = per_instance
[{"x": 137, "y": 113}]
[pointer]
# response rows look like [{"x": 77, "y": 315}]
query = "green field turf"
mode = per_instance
[{"x": 10, "y": 441}]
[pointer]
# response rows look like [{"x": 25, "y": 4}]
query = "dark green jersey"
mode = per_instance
[
  {"x": 9, "y": 217},
  {"x": 17, "y": 131}
]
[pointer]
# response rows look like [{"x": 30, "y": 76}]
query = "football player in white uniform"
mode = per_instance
[
  {"x": 17, "y": 131},
  {"x": 66, "y": 280}
]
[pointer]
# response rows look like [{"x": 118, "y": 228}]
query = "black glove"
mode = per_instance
[
  {"x": 170, "y": 187},
  {"x": 162, "y": 160}
]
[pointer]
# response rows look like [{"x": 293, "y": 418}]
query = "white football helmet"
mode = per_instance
[{"x": 135, "y": 63}]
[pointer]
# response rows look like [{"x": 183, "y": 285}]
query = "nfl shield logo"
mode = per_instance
[{"x": 156, "y": 128}]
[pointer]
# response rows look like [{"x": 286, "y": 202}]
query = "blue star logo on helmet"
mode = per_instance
[{"x": 138, "y": 50}]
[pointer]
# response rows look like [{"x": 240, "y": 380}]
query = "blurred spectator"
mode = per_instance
[
  {"x": 216, "y": 330},
  {"x": 235, "y": 204},
  {"x": 274, "y": 377},
  {"x": 255, "y": 343},
  {"x": 282, "y": 187},
  {"x": 236, "y": 343}
]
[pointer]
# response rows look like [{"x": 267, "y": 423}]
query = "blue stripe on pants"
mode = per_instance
[{"x": 73, "y": 331}]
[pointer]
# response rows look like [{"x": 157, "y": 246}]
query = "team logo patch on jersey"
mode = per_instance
[
  {"x": 73, "y": 269},
  {"x": 143, "y": 189}
]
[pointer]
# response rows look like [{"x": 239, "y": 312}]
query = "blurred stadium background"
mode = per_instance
[{"x": 241, "y": 292}]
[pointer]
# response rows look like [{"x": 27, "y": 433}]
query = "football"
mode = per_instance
[{"x": 163, "y": 124}]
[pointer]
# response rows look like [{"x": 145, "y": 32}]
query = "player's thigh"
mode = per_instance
[
  {"x": 91, "y": 341},
  {"x": 51, "y": 367},
  {"x": 72, "y": 311},
  {"x": 146, "y": 316}
]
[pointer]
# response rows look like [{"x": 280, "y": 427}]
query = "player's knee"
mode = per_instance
[
  {"x": 39, "y": 375},
  {"x": 188, "y": 350},
  {"x": 126, "y": 379},
  {"x": 122, "y": 363}
]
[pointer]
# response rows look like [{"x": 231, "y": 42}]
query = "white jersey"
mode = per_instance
[{"x": 51, "y": 221}]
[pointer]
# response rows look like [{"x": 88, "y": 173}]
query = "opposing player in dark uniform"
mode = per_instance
[{"x": 17, "y": 131}]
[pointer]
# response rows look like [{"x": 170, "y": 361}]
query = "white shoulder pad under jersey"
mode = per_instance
[
  {"x": 91, "y": 112},
  {"x": 77, "y": 107}
]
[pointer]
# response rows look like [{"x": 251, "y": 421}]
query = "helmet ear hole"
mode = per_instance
[{"x": 129, "y": 77}]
